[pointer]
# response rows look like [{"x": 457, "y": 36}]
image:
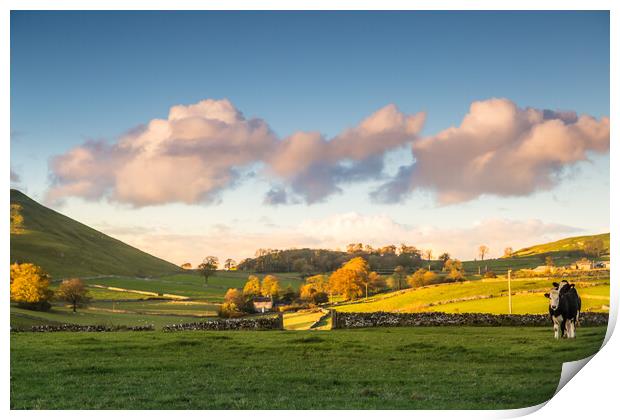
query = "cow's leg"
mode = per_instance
[{"x": 556, "y": 328}]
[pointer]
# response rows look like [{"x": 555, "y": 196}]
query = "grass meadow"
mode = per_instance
[
  {"x": 382, "y": 368},
  {"x": 191, "y": 284},
  {"x": 487, "y": 295}
]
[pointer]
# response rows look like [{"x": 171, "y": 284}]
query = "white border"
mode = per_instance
[{"x": 590, "y": 394}]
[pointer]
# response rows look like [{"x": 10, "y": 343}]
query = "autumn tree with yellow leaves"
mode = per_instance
[
  {"x": 350, "y": 280},
  {"x": 316, "y": 289},
  {"x": 30, "y": 286},
  {"x": 252, "y": 287},
  {"x": 270, "y": 286},
  {"x": 17, "y": 220}
]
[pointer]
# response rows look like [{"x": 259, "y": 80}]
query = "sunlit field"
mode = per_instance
[
  {"x": 531, "y": 303},
  {"x": 302, "y": 320},
  {"x": 383, "y": 368},
  {"x": 488, "y": 295}
]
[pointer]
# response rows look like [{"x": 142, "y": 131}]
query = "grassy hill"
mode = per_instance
[
  {"x": 65, "y": 247},
  {"x": 487, "y": 296},
  {"x": 572, "y": 244}
]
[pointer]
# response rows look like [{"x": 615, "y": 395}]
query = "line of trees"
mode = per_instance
[{"x": 312, "y": 261}]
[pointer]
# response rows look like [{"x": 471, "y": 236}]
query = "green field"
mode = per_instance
[
  {"x": 160, "y": 307},
  {"x": 387, "y": 368},
  {"x": 488, "y": 295},
  {"x": 64, "y": 247},
  {"x": 23, "y": 318},
  {"x": 191, "y": 284}
]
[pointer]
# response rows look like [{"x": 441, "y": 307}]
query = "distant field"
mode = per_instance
[
  {"x": 480, "y": 296},
  {"x": 96, "y": 294},
  {"x": 110, "y": 308},
  {"x": 192, "y": 284},
  {"x": 154, "y": 307},
  {"x": 502, "y": 265},
  {"x": 23, "y": 318},
  {"x": 382, "y": 368}
]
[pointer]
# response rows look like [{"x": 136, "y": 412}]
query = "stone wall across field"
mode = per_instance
[
  {"x": 438, "y": 319},
  {"x": 258, "y": 323},
  {"x": 82, "y": 328}
]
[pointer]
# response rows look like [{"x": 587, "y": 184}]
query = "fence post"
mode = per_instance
[
  {"x": 281, "y": 320},
  {"x": 334, "y": 316}
]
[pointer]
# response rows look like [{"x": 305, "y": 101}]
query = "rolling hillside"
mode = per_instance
[
  {"x": 65, "y": 247},
  {"x": 575, "y": 243},
  {"x": 486, "y": 296}
]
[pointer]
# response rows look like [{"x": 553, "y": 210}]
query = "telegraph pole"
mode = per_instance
[{"x": 509, "y": 293}]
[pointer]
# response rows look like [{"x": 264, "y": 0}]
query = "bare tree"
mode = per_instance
[
  {"x": 399, "y": 276},
  {"x": 229, "y": 264},
  {"x": 508, "y": 251},
  {"x": 482, "y": 251},
  {"x": 208, "y": 267},
  {"x": 74, "y": 292},
  {"x": 594, "y": 247}
]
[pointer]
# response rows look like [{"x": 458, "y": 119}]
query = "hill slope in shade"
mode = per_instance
[
  {"x": 575, "y": 243},
  {"x": 65, "y": 247}
]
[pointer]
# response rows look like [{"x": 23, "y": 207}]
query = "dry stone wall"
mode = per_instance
[
  {"x": 259, "y": 323},
  {"x": 437, "y": 319},
  {"x": 82, "y": 328}
]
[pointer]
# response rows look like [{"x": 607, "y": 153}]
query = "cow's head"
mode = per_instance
[{"x": 554, "y": 298}]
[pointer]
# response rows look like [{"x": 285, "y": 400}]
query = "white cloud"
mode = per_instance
[
  {"x": 201, "y": 149},
  {"x": 499, "y": 149},
  {"x": 336, "y": 231}
]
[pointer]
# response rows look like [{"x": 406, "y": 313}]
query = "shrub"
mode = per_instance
[
  {"x": 229, "y": 310},
  {"x": 490, "y": 275},
  {"x": 320, "y": 297}
]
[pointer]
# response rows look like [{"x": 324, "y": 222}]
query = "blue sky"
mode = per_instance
[{"x": 79, "y": 76}]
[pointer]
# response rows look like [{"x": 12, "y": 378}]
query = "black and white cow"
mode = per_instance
[{"x": 564, "y": 309}]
